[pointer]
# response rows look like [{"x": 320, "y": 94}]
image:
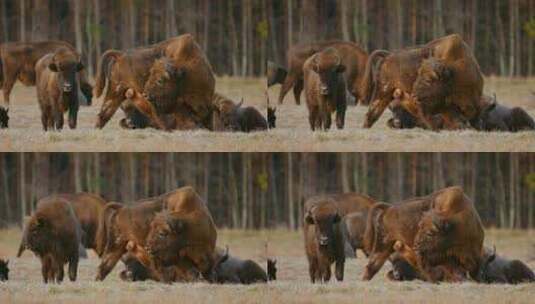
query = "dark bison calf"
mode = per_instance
[
  {"x": 229, "y": 116},
  {"x": 4, "y": 270},
  {"x": 325, "y": 89},
  {"x": 54, "y": 234},
  {"x": 234, "y": 270},
  {"x": 324, "y": 242},
  {"x": 58, "y": 87},
  {"x": 496, "y": 117},
  {"x": 496, "y": 269}
]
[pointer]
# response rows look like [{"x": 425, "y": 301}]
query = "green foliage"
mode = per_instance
[
  {"x": 262, "y": 29},
  {"x": 530, "y": 181},
  {"x": 529, "y": 27},
  {"x": 262, "y": 181}
]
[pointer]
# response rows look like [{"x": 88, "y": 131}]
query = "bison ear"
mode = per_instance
[
  {"x": 337, "y": 218},
  {"x": 53, "y": 67},
  {"x": 308, "y": 218},
  {"x": 341, "y": 68},
  {"x": 80, "y": 66}
]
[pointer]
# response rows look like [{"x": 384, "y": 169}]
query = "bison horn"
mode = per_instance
[{"x": 240, "y": 103}]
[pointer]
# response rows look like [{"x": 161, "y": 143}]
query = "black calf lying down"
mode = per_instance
[
  {"x": 237, "y": 271},
  {"x": 496, "y": 269},
  {"x": 4, "y": 270},
  {"x": 229, "y": 116},
  {"x": 496, "y": 117}
]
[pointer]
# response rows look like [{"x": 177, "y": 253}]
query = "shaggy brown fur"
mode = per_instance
[
  {"x": 325, "y": 89},
  {"x": 352, "y": 57},
  {"x": 57, "y": 82}
]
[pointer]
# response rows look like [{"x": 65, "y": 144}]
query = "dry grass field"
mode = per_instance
[
  {"x": 292, "y": 134},
  {"x": 292, "y": 287}
]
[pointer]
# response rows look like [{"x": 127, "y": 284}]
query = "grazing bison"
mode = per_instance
[
  {"x": 234, "y": 270},
  {"x": 353, "y": 229},
  {"x": 4, "y": 270},
  {"x": 496, "y": 269},
  {"x": 441, "y": 77},
  {"x": 325, "y": 89},
  {"x": 18, "y": 60},
  {"x": 53, "y": 233},
  {"x": 4, "y": 118},
  {"x": 185, "y": 230},
  {"x": 440, "y": 235},
  {"x": 496, "y": 117},
  {"x": 324, "y": 242},
  {"x": 229, "y": 116},
  {"x": 351, "y": 56},
  {"x": 275, "y": 74},
  {"x": 57, "y": 82}
]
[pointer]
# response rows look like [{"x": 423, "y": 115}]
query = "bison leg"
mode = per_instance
[
  {"x": 298, "y": 88},
  {"x": 376, "y": 261},
  {"x": 73, "y": 268},
  {"x": 339, "y": 273},
  {"x": 313, "y": 118},
  {"x": 9, "y": 82},
  {"x": 45, "y": 268},
  {"x": 45, "y": 112},
  {"x": 340, "y": 119},
  {"x": 111, "y": 103},
  {"x": 289, "y": 82},
  {"x": 58, "y": 118},
  {"x": 60, "y": 271},
  {"x": 146, "y": 107},
  {"x": 375, "y": 111},
  {"x": 313, "y": 269},
  {"x": 109, "y": 260}
]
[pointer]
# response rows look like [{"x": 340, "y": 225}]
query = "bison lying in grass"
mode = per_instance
[
  {"x": 497, "y": 117},
  {"x": 496, "y": 269},
  {"x": 234, "y": 270},
  {"x": 229, "y": 116}
]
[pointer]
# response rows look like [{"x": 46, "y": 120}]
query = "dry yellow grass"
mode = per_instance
[
  {"x": 292, "y": 287},
  {"x": 292, "y": 134}
]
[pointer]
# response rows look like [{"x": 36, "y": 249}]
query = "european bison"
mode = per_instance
[
  {"x": 353, "y": 229},
  {"x": 275, "y": 74},
  {"x": 351, "y": 56},
  {"x": 497, "y": 117},
  {"x": 185, "y": 230},
  {"x": 324, "y": 242},
  {"x": 440, "y": 235},
  {"x": 234, "y": 270},
  {"x": 496, "y": 269},
  {"x": 229, "y": 116},
  {"x": 325, "y": 89},
  {"x": 441, "y": 77},
  {"x": 54, "y": 234},
  {"x": 4, "y": 270},
  {"x": 135, "y": 271},
  {"x": 57, "y": 79},
  {"x": 18, "y": 59}
]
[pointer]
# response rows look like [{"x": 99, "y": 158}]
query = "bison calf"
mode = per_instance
[
  {"x": 324, "y": 243},
  {"x": 58, "y": 87},
  {"x": 496, "y": 269},
  {"x": 4, "y": 270},
  {"x": 496, "y": 117},
  {"x": 233, "y": 270},
  {"x": 229, "y": 116},
  {"x": 325, "y": 89},
  {"x": 54, "y": 234}
]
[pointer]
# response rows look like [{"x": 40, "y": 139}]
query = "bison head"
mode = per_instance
[
  {"x": 4, "y": 270},
  {"x": 164, "y": 239},
  {"x": 484, "y": 121},
  {"x": 325, "y": 220},
  {"x": 4, "y": 118},
  {"x": 164, "y": 83},
  {"x": 227, "y": 116},
  {"x": 328, "y": 65},
  {"x": 66, "y": 64},
  {"x": 433, "y": 84}
]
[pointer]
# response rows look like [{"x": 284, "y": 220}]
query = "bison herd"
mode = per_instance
[
  {"x": 436, "y": 86},
  {"x": 169, "y": 85}
]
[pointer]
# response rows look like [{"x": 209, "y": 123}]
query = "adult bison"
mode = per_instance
[
  {"x": 229, "y": 116},
  {"x": 184, "y": 231},
  {"x": 4, "y": 270},
  {"x": 351, "y": 55},
  {"x": 353, "y": 229},
  {"x": 440, "y": 235},
  {"x": 57, "y": 79},
  {"x": 53, "y": 233},
  {"x": 497, "y": 117},
  {"x": 442, "y": 77},
  {"x": 325, "y": 89},
  {"x": 497, "y": 269},
  {"x": 17, "y": 62}
]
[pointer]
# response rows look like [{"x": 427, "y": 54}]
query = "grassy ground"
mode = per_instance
[
  {"x": 292, "y": 134},
  {"x": 292, "y": 286}
]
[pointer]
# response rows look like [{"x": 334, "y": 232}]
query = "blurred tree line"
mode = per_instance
[
  {"x": 267, "y": 190},
  {"x": 501, "y": 32},
  {"x": 233, "y": 33}
]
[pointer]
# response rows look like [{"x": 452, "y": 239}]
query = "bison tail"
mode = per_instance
[
  {"x": 103, "y": 226},
  {"x": 106, "y": 61},
  {"x": 368, "y": 81},
  {"x": 371, "y": 234}
]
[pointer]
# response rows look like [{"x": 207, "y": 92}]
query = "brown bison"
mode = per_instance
[
  {"x": 229, "y": 116},
  {"x": 497, "y": 117},
  {"x": 496, "y": 269},
  {"x": 276, "y": 74},
  {"x": 54, "y": 234},
  {"x": 185, "y": 230},
  {"x": 351, "y": 56},
  {"x": 442, "y": 77},
  {"x": 353, "y": 229},
  {"x": 135, "y": 271},
  {"x": 4, "y": 270},
  {"x": 234, "y": 270},
  {"x": 325, "y": 89},
  {"x": 57, "y": 79},
  {"x": 18, "y": 60},
  {"x": 440, "y": 235}
]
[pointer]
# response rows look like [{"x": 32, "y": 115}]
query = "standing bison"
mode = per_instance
[
  {"x": 57, "y": 80},
  {"x": 325, "y": 89},
  {"x": 440, "y": 235},
  {"x": 496, "y": 269},
  {"x": 441, "y": 77},
  {"x": 54, "y": 234},
  {"x": 351, "y": 56}
]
